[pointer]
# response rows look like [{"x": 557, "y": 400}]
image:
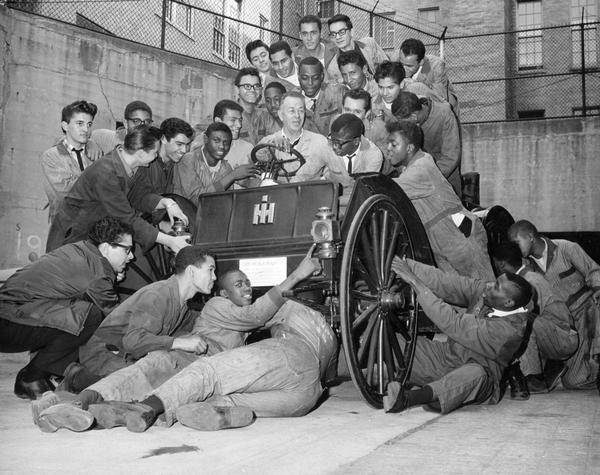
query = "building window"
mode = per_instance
[
  {"x": 532, "y": 114},
  {"x": 180, "y": 15},
  {"x": 326, "y": 8},
  {"x": 384, "y": 29},
  {"x": 529, "y": 17},
  {"x": 590, "y": 15},
  {"x": 429, "y": 15},
  {"x": 264, "y": 24},
  {"x": 219, "y": 35}
]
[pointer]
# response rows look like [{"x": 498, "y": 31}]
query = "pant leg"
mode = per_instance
[
  {"x": 98, "y": 359},
  {"x": 55, "y": 349},
  {"x": 137, "y": 381},
  {"x": 283, "y": 367},
  {"x": 581, "y": 373},
  {"x": 467, "y": 384},
  {"x": 547, "y": 342}
]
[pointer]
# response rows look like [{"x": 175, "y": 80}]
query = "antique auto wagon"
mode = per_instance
[{"x": 266, "y": 231}]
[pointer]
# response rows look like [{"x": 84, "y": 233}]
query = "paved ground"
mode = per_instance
[{"x": 556, "y": 433}]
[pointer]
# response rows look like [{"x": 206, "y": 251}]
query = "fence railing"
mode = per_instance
[{"x": 542, "y": 72}]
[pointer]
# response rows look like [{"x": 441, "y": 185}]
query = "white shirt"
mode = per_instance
[{"x": 542, "y": 262}]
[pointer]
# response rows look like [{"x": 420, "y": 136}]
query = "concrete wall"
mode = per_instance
[
  {"x": 545, "y": 171},
  {"x": 47, "y": 64}
]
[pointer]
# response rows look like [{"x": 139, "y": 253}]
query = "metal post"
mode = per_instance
[
  {"x": 583, "y": 98},
  {"x": 371, "y": 18},
  {"x": 280, "y": 19},
  {"x": 443, "y": 42},
  {"x": 163, "y": 24}
]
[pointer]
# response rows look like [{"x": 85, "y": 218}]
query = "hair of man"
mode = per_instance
[
  {"x": 136, "y": 106},
  {"x": 390, "y": 69},
  {"x": 351, "y": 57},
  {"x": 308, "y": 19},
  {"x": 408, "y": 129},
  {"x": 359, "y": 94},
  {"x": 524, "y": 227},
  {"x": 413, "y": 46},
  {"x": 348, "y": 123},
  {"x": 280, "y": 46},
  {"x": 225, "y": 105},
  {"x": 522, "y": 290},
  {"x": 249, "y": 71},
  {"x": 405, "y": 104},
  {"x": 276, "y": 85},
  {"x": 294, "y": 94},
  {"x": 312, "y": 61},
  {"x": 109, "y": 230},
  {"x": 190, "y": 256},
  {"x": 255, "y": 45},
  {"x": 508, "y": 252},
  {"x": 143, "y": 138},
  {"x": 218, "y": 127},
  {"x": 174, "y": 126},
  {"x": 78, "y": 107},
  {"x": 340, "y": 17}
]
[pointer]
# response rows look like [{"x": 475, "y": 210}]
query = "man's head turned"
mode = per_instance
[
  {"x": 509, "y": 292},
  {"x": 76, "y": 122},
  {"x": 114, "y": 240},
  {"x": 196, "y": 264},
  {"x": 176, "y": 137},
  {"x": 523, "y": 233},
  {"x": 405, "y": 139},
  {"x": 412, "y": 52},
  {"x": 507, "y": 257},
  {"x": 234, "y": 285}
]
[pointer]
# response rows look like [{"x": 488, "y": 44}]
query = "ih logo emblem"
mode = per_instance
[{"x": 264, "y": 213}]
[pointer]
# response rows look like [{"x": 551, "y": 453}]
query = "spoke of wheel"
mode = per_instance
[
  {"x": 375, "y": 243},
  {"x": 366, "y": 340},
  {"x": 365, "y": 275},
  {"x": 387, "y": 352},
  {"x": 363, "y": 316},
  {"x": 372, "y": 351},
  {"x": 380, "y": 356},
  {"x": 389, "y": 274},
  {"x": 162, "y": 254},
  {"x": 385, "y": 221},
  {"x": 357, "y": 294},
  {"x": 369, "y": 261},
  {"x": 398, "y": 353},
  {"x": 153, "y": 266},
  {"x": 141, "y": 273}
]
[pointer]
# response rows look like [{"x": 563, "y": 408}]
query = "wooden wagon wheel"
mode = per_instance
[{"x": 378, "y": 311}]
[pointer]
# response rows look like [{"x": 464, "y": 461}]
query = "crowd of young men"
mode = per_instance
[{"x": 348, "y": 109}]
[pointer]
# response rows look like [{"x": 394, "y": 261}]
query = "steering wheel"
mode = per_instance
[{"x": 273, "y": 165}]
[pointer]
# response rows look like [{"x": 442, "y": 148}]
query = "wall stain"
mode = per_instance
[{"x": 91, "y": 56}]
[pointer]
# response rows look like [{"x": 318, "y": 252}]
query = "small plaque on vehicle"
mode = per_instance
[{"x": 265, "y": 271}]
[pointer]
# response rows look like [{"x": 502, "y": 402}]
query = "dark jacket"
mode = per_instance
[{"x": 58, "y": 290}]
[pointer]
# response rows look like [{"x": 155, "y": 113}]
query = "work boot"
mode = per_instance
[
  {"x": 31, "y": 389},
  {"x": 66, "y": 415},
  {"x": 395, "y": 399},
  {"x": 536, "y": 384},
  {"x": 553, "y": 371},
  {"x": 137, "y": 417},
  {"x": 518, "y": 383},
  {"x": 204, "y": 416}
]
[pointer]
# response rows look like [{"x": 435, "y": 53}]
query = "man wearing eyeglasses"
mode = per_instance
[
  {"x": 54, "y": 305},
  {"x": 256, "y": 122},
  {"x": 352, "y": 153},
  {"x": 340, "y": 32},
  {"x": 136, "y": 113}
]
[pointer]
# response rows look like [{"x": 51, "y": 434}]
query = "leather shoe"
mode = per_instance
[
  {"x": 536, "y": 384},
  {"x": 553, "y": 371},
  {"x": 31, "y": 389},
  {"x": 68, "y": 377},
  {"x": 135, "y": 415},
  {"x": 517, "y": 382},
  {"x": 204, "y": 416}
]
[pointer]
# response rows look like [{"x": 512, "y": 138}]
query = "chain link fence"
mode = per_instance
[
  {"x": 498, "y": 76},
  {"x": 527, "y": 74}
]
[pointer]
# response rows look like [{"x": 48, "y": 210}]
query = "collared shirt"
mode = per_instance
[
  {"x": 292, "y": 78},
  {"x": 310, "y": 102},
  {"x": 86, "y": 161},
  {"x": 128, "y": 170},
  {"x": 504, "y": 313}
]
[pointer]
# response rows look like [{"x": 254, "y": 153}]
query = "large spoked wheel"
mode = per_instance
[
  {"x": 271, "y": 160},
  {"x": 378, "y": 310}
]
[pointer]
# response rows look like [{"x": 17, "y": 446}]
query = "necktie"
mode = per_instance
[
  {"x": 295, "y": 142},
  {"x": 79, "y": 157},
  {"x": 350, "y": 157}
]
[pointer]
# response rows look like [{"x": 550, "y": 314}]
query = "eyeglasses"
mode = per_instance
[
  {"x": 249, "y": 87},
  {"x": 338, "y": 34},
  {"x": 137, "y": 121},
  {"x": 128, "y": 249},
  {"x": 339, "y": 144}
]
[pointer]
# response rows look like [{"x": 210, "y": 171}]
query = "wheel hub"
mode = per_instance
[{"x": 391, "y": 301}]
